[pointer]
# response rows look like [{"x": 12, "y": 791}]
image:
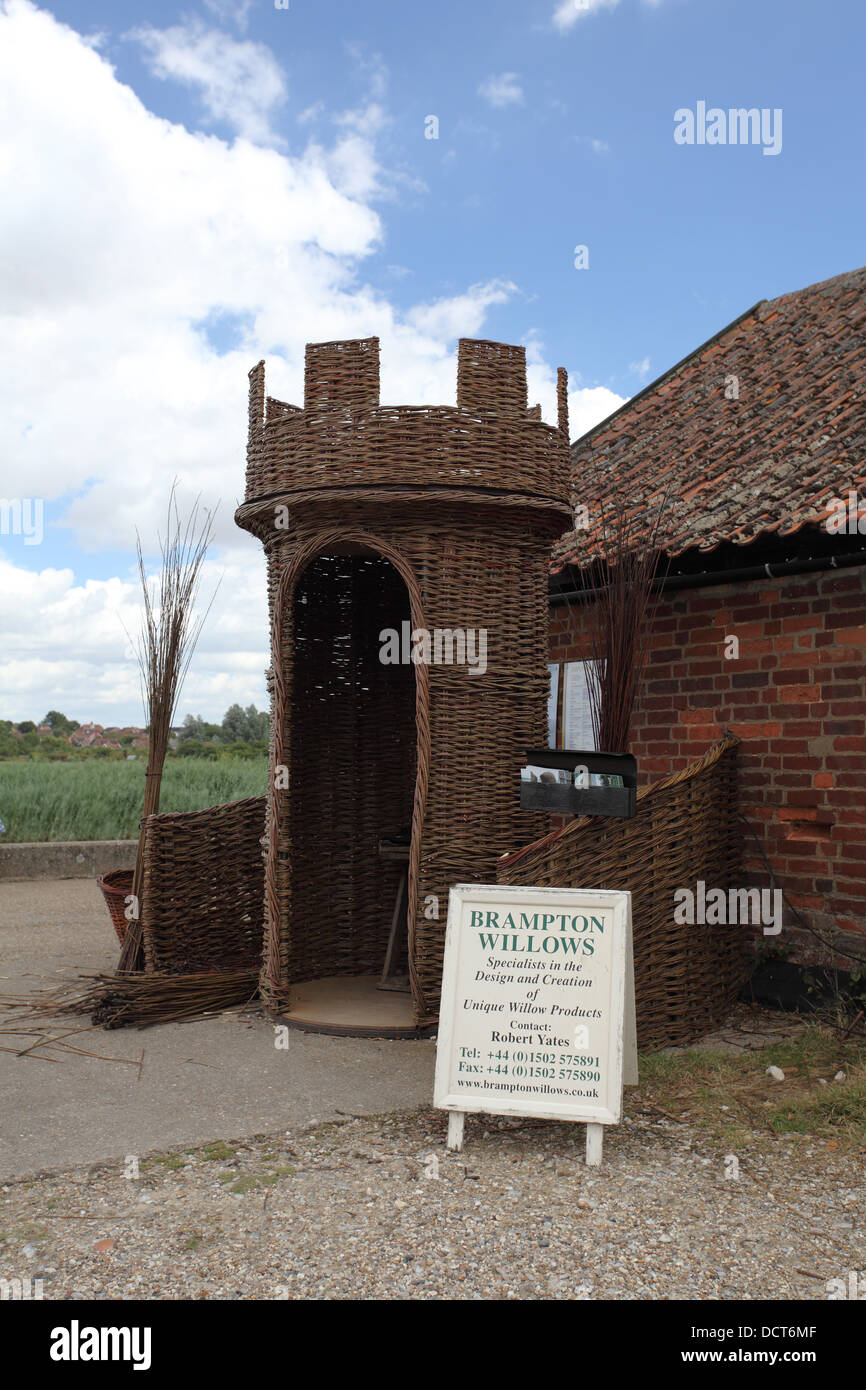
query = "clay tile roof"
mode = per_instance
[{"x": 767, "y": 461}]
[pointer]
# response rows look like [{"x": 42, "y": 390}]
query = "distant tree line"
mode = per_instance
[
  {"x": 242, "y": 731},
  {"x": 26, "y": 738}
]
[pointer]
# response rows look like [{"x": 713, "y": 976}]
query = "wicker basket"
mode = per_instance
[{"x": 115, "y": 888}]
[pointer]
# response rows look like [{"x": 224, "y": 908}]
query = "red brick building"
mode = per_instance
[{"x": 758, "y": 442}]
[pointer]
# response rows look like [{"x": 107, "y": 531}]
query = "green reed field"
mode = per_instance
[{"x": 101, "y": 799}]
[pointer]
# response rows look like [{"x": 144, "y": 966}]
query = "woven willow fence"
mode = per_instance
[
  {"x": 686, "y": 976},
  {"x": 201, "y": 921},
  {"x": 203, "y": 915},
  {"x": 203, "y": 888}
]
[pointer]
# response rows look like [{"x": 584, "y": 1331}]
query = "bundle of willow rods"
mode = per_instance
[
  {"x": 169, "y": 633},
  {"x": 124, "y": 1001},
  {"x": 624, "y": 570},
  {"x": 135, "y": 1001}
]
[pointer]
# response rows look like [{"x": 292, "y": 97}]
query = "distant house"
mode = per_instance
[
  {"x": 84, "y": 735},
  {"x": 91, "y": 736},
  {"x": 759, "y": 440}
]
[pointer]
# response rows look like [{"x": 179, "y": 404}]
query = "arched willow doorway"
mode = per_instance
[{"x": 349, "y": 774}]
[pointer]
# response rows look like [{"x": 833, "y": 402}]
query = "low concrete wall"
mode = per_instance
[{"x": 65, "y": 858}]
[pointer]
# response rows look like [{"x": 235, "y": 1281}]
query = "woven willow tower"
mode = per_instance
[{"x": 375, "y": 517}]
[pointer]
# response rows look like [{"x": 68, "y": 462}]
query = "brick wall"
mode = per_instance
[{"x": 796, "y": 696}]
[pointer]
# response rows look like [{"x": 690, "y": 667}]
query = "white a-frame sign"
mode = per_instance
[{"x": 537, "y": 1013}]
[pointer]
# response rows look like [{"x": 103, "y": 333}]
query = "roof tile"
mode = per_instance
[{"x": 735, "y": 469}]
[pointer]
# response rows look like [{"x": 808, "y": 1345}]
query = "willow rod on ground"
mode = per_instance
[{"x": 164, "y": 648}]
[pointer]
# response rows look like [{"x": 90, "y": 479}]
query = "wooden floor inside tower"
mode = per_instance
[{"x": 353, "y": 1006}]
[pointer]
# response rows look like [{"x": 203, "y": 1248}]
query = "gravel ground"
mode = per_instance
[{"x": 375, "y": 1208}]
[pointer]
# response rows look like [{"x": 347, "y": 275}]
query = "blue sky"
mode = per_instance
[
  {"x": 287, "y": 193},
  {"x": 681, "y": 240}
]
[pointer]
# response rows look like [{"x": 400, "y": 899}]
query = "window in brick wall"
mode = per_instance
[{"x": 574, "y": 719}]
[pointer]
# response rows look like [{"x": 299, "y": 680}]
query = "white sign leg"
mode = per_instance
[
  {"x": 455, "y": 1130},
  {"x": 630, "y": 1074},
  {"x": 594, "y": 1143}
]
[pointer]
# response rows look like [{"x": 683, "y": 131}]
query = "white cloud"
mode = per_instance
[
  {"x": 589, "y": 405},
  {"x": 568, "y": 12},
  {"x": 461, "y": 316},
  {"x": 130, "y": 243},
  {"x": 67, "y": 646},
  {"x": 641, "y": 369},
  {"x": 311, "y": 113},
  {"x": 237, "y": 81},
  {"x": 235, "y": 11},
  {"x": 504, "y": 90},
  {"x": 597, "y": 146},
  {"x": 109, "y": 385},
  {"x": 352, "y": 164},
  {"x": 371, "y": 66}
]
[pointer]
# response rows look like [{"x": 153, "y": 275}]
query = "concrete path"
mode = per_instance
[{"x": 218, "y": 1078}]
